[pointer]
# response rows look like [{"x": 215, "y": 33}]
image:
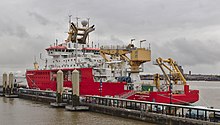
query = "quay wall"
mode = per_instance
[{"x": 145, "y": 116}]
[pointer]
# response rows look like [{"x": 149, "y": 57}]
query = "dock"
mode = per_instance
[
  {"x": 151, "y": 112},
  {"x": 159, "y": 113}
]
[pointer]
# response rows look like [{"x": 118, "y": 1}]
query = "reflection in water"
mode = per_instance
[
  {"x": 11, "y": 101},
  {"x": 76, "y": 117},
  {"x": 5, "y": 100},
  {"x": 24, "y": 112}
]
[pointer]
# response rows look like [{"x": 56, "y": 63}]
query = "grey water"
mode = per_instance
[
  {"x": 209, "y": 93},
  {"x": 24, "y": 112}
]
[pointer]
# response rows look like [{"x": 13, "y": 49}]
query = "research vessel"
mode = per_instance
[{"x": 109, "y": 70}]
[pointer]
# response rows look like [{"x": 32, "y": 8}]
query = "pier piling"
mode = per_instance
[
  {"x": 10, "y": 83},
  {"x": 75, "y": 88},
  {"x": 4, "y": 82},
  {"x": 9, "y": 90},
  {"x": 59, "y": 86},
  {"x": 59, "y": 91},
  {"x": 75, "y": 94}
]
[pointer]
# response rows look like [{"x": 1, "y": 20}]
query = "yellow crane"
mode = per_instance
[
  {"x": 157, "y": 81},
  {"x": 173, "y": 68},
  {"x": 137, "y": 55}
]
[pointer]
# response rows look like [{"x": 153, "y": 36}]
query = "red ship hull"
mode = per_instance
[
  {"x": 189, "y": 96},
  {"x": 46, "y": 80}
]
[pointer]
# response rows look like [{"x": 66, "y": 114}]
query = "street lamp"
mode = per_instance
[
  {"x": 132, "y": 40},
  {"x": 141, "y": 42}
]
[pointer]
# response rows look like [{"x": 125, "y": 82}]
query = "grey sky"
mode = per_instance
[{"x": 185, "y": 30}]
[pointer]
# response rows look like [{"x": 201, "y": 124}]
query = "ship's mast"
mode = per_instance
[
  {"x": 70, "y": 20},
  {"x": 76, "y": 47},
  {"x": 36, "y": 66},
  {"x": 88, "y": 26},
  {"x": 77, "y": 20}
]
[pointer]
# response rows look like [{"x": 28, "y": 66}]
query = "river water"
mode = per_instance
[
  {"x": 209, "y": 93},
  {"x": 25, "y": 112}
]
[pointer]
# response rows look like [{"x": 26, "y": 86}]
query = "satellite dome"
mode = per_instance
[{"x": 84, "y": 23}]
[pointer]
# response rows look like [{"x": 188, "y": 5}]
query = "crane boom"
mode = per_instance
[
  {"x": 137, "y": 55},
  {"x": 174, "y": 70}
]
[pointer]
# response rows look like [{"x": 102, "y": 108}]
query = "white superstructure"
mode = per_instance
[
  {"x": 75, "y": 52},
  {"x": 66, "y": 55}
]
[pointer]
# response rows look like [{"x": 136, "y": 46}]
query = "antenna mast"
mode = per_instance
[
  {"x": 70, "y": 20},
  {"x": 88, "y": 26},
  {"x": 77, "y": 19}
]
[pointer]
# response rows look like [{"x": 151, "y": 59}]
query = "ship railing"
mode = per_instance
[
  {"x": 184, "y": 111},
  {"x": 114, "y": 47},
  {"x": 66, "y": 97}
]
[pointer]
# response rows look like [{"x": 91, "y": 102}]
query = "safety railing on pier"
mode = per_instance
[
  {"x": 36, "y": 92},
  {"x": 192, "y": 112},
  {"x": 66, "y": 97}
]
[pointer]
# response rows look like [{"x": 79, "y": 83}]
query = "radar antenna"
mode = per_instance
[{"x": 79, "y": 34}]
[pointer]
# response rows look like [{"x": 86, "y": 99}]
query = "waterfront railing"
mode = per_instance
[
  {"x": 184, "y": 111},
  {"x": 192, "y": 112}
]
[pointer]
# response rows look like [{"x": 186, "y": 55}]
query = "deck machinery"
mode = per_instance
[
  {"x": 174, "y": 75},
  {"x": 138, "y": 56}
]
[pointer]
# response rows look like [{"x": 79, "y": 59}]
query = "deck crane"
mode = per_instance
[
  {"x": 174, "y": 70},
  {"x": 138, "y": 56}
]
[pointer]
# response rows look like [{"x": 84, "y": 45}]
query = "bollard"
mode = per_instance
[
  {"x": 10, "y": 83},
  {"x": 4, "y": 82},
  {"x": 75, "y": 88},
  {"x": 59, "y": 86}
]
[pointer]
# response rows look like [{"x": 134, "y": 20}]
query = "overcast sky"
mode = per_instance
[{"x": 186, "y": 30}]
